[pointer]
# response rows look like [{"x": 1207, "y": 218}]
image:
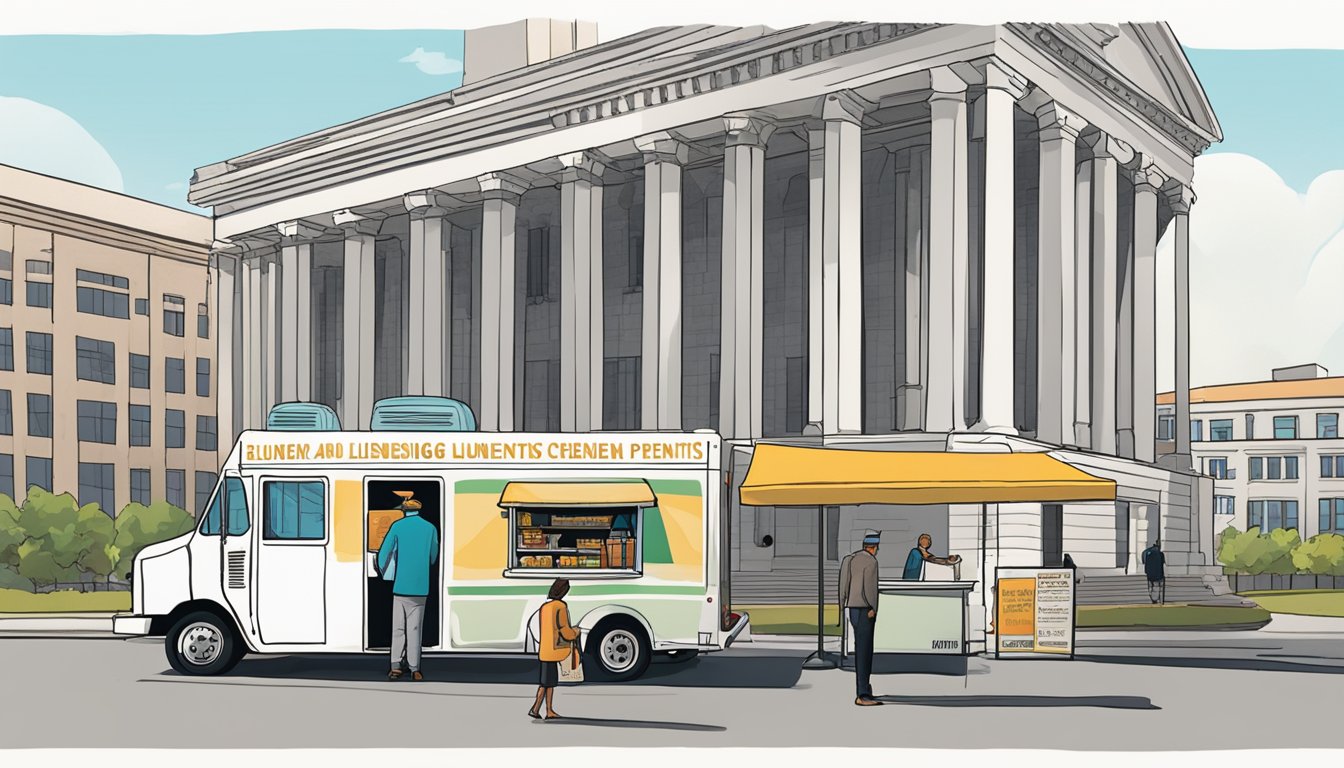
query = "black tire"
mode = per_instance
[
  {"x": 617, "y": 650},
  {"x": 202, "y": 644}
]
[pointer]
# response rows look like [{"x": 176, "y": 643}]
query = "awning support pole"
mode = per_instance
[{"x": 819, "y": 659}]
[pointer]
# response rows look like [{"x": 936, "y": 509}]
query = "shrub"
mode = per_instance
[
  {"x": 1253, "y": 553},
  {"x": 1322, "y": 555}
]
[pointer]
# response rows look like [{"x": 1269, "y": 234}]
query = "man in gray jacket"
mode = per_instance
[{"x": 858, "y": 597}]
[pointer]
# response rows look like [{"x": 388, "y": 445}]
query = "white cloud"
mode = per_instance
[
  {"x": 1266, "y": 270},
  {"x": 44, "y": 139},
  {"x": 175, "y": 186},
  {"x": 432, "y": 62}
]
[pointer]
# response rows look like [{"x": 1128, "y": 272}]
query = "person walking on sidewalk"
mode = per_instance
[
  {"x": 409, "y": 550},
  {"x": 858, "y": 597},
  {"x": 1154, "y": 566},
  {"x": 555, "y": 643}
]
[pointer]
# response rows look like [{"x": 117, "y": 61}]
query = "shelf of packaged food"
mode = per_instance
[
  {"x": 560, "y": 550},
  {"x": 526, "y": 572},
  {"x": 569, "y": 527}
]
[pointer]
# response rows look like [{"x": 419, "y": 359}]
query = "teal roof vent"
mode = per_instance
[
  {"x": 302, "y": 417},
  {"x": 422, "y": 414}
]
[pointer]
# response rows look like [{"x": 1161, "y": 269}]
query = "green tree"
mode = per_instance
[
  {"x": 11, "y": 532},
  {"x": 53, "y": 542},
  {"x": 138, "y": 526},
  {"x": 1232, "y": 548},
  {"x": 98, "y": 553},
  {"x": 1322, "y": 555},
  {"x": 1278, "y": 557}
]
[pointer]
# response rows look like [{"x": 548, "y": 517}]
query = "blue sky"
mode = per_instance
[{"x": 163, "y": 105}]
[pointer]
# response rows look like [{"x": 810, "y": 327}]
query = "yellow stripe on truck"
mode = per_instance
[{"x": 348, "y": 521}]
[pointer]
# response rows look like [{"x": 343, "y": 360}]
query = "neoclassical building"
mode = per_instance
[{"x": 909, "y": 236}]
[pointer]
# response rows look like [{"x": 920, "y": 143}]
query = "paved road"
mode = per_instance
[{"x": 1135, "y": 691}]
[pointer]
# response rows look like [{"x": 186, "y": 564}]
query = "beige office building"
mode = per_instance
[{"x": 107, "y": 371}]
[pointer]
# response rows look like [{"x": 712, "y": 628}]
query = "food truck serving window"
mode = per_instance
[{"x": 575, "y": 529}]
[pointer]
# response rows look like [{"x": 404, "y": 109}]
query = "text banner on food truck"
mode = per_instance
[
  {"x": 474, "y": 450},
  {"x": 1034, "y": 612}
]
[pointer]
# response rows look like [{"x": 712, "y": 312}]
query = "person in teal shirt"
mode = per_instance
[
  {"x": 407, "y": 556},
  {"x": 914, "y": 562}
]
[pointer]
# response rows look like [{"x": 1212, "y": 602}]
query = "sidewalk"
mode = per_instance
[{"x": 62, "y": 624}]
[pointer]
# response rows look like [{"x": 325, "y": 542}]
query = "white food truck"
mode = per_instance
[{"x": 283, "y": 559}]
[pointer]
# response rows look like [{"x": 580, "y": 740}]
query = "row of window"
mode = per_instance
[
  {"x": 105, "y": 303},
  {"x": 98, "y": 424},
  {"x": 1269, "y": 514},
  {"x": 292, "y": 510},
  {"x": 1274, "y": 467},
  {"x": 95, "y": 360},
  {"x": 1220, "y": 430},
  {"x": 98, "y": 483}
]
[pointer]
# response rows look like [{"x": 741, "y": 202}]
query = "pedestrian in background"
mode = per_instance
[
  {"x": 555, "y": 644},
  {"x": 1154, "y": 567},
  {"x": 858, "y": 598},
  {"x": 407, "y": 555}
]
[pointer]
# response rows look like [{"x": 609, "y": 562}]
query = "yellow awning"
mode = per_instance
[
  {"x": 560, "y": 493},
  {"x": 782, "y": 475}
]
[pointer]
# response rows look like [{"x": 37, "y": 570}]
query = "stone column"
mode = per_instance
[
  {"x": 580, "y": 293},
  {"x": 254, "y": 361},
  {"x": 1082, "y": 318},
  {"x": 1003, "y": 88},
  {"x": 1147, "y": 181},
  {"x": 842, "y": 265},
  {"x": 271, "y": 329},
  {"x": 1181, "y": 199},
  {"x": 228, "y": 358},
  {"x": 501, "y": 194},
  {"x": 1056, "y": 282},
  {"x": 945, "y": 409},
  {"x": 910, "y": 283},
  {"x": 431, "y": 301},
  {"x": 660, "y": 356},
  {"x": 296, "y": 333},
  {"x": 742, "y": 338},
  {"x": 357, "y": 354},
  {"x": 1107, "y": 156},
  {"x": 816, "y": 195}
]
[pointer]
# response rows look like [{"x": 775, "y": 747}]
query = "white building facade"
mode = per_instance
[
  {"x": 1273, "y": 449},
  {"x": 910, "y": 236}
]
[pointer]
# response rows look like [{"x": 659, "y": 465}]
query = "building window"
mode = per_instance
[
  {"x": 1274, "y": 468},
  {"x": 142, "y": 307},
  {"x": 139, "y": 371},
  {"x": 1217, "y": 468},
  {"x": 1331, "y": 515},
  {"x": 175, "y": 428},
  {"x": 1196, "y": 430},
  {"x": 576, "y": 539},
  {"x": 97, "y": 422},
  {"x": 39, "y": 294},
  {"x": 140, "y": 486},
  {"x": 39, "y": 415},
  {"x": 1250, "y": 426},
  {"x": 175, "y": 375},
  {"x": 1220, "y": 429},
  {"x": 6, "y": 412},
  {"x": 1225, "y": 505},
  {"x": 795, "y": 388},
  {"x": 175, "y": 486},
  {"x": 294, "y": 511},
  {"x": 96, "y": 301},
  {"x": 141, "y": 425},
  {"x": 1327, "y": 425},
  {"x": 1285, "y": 427},
  {"x": 635, "y": 262},
  {"x": 205, "y": 485},
  {"x": 111, "y": 281},
  {"x": 1289, "y": 467},
  {"x": 95, "y": 360},
  {"x": 38, "y": 472},
  {"x": 1272, "y": 514},
  {"x": 174, "y": 315},
  {"x": 7, "y": 474},
  {"x": 6, "y": 349},
  {"x": 206, "y": 439},
  {"x": 620, "y": 393},
  {"x": 539, "y": 263},
  {"x": 37, "y": 267},
  {"x": 202, "y": 377},
  {"x": 202, "y": 321},
  {"x": 1257, "y": 468},
  {"x": 39, "y": 352},
  {"x": 1166, "y": 427},
  {"x": 1332, "y": 466},
  {"x": 6, "y": 291},
  {"x": 98, "y": 485}
]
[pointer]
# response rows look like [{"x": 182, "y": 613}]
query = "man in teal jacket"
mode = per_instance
[{"x": 407, "y": 556}]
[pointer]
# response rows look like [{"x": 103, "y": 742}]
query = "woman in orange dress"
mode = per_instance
[{"x": 555, "y": 642}]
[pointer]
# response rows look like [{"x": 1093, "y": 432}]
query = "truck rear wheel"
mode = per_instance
[
  {"x": 618, "y": 650},
  {"x": 202, "y": 643}
]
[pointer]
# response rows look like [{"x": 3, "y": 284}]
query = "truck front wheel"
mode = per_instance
[{"x": 202, "y": 643}]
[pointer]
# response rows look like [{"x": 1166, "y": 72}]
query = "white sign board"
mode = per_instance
[{"x": 1034, "y": 612}]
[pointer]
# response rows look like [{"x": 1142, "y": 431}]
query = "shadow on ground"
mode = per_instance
[
  {"x": 1099, "y": 702},
  {"x": 1326, "y": 665}
]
